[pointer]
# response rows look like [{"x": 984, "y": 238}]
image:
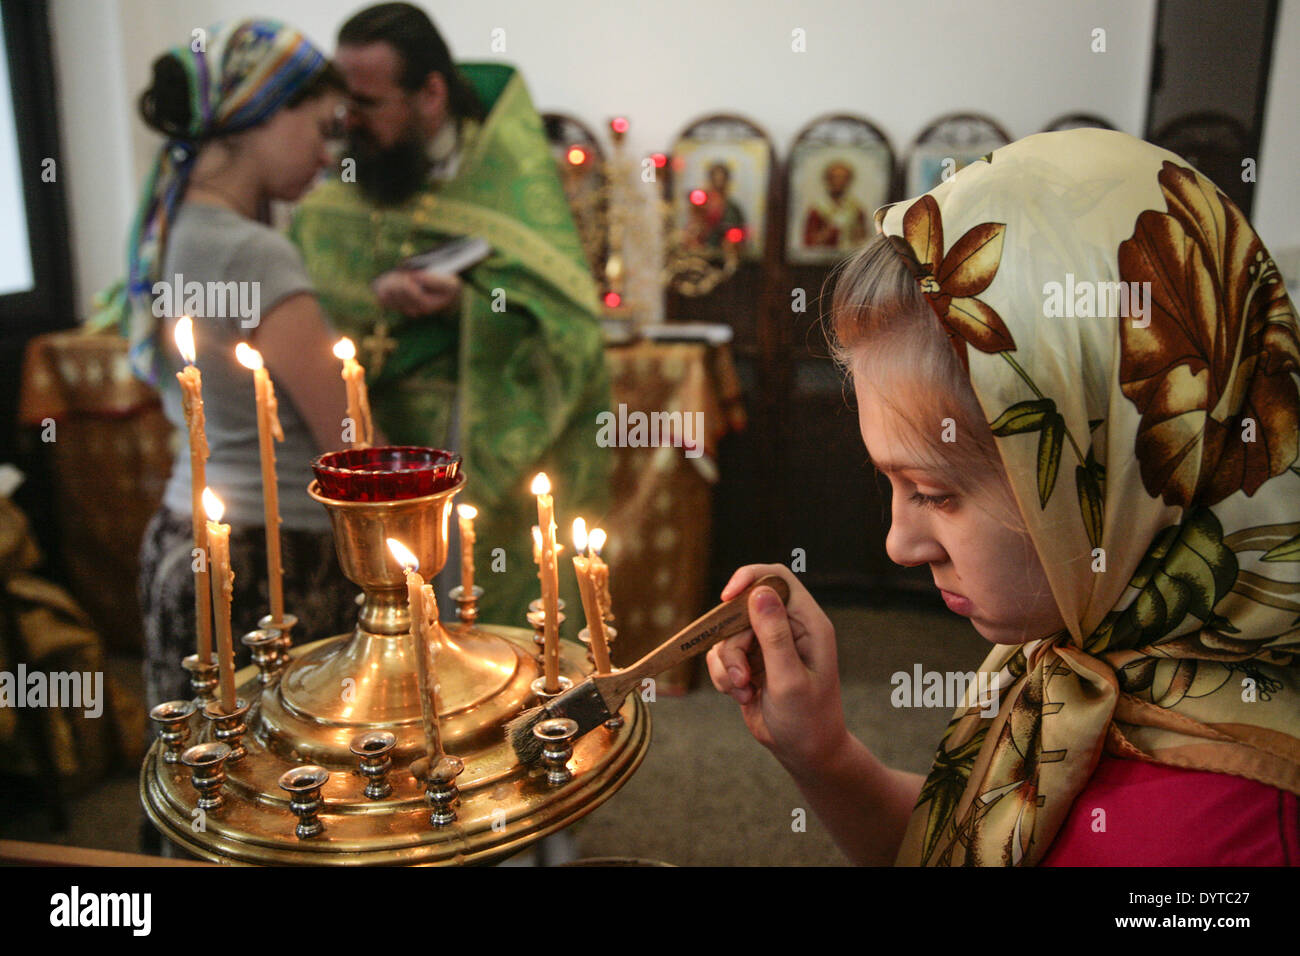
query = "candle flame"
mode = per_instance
[
  {"x": 580, "y": 534},
  {"x": 185, "y": 338},
  {"x": 344, "y": 349},
  {"x": 541, "y": 484},
  {"x": 212, "y": 505},
  {"x": 468, "y": 512},
  {"x": 248, "y": 356},
  {"x": 403, "y": 555},
  {"x": 596, "y": 539}
]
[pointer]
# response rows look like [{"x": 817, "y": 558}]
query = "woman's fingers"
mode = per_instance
[
  {"x": 733, "y": 658},
  {"x": 718, "y": 672},
  {"x": 750, "y": 573},
  {"x": 781, "y": 661},
  {"x": 741, "y": 579}
]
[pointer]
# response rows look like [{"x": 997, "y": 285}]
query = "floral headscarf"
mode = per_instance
[
  {"x": 1151, "y": 442},
  {"x": 238, "y": 77}
]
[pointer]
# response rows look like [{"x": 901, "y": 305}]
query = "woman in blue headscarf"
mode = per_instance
[{"x": 247, "y": 109}]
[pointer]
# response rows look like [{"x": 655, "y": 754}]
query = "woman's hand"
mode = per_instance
[
  {"x": 783, "y": 672},
  {"x": 415, "y": 293}
]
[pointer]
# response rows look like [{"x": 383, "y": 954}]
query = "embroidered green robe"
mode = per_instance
[{"x": 524, "y": 356}]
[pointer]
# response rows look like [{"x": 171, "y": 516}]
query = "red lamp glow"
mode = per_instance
[
  {"x": 619, "y": 124},
  {"x": 659, "y": 159},
  {"x": 577, "y": 156},
  {"x": 735, "y": 234},
  {"x": 698, "y": 197},
  {"x": 613, "y": 300}
]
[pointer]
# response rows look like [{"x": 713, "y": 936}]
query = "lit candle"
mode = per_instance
[
  {"x": 549, "y": 573},
  {"x": 223, "y": 589},
  {"x": 423, "y": 606},
  {"x": 192, "y": 402},
  {"x": 268, "y": 428},
  {"x": 465, "y": 515},
  {"x": 537, "y": 546},
  {"x": 354, "y": 377},
  {"x": 590, "y": 607},
  {"x": 600, "y": 574}
]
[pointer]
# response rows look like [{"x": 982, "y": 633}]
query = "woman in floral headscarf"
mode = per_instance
[{"x": 1077, "y": 364}]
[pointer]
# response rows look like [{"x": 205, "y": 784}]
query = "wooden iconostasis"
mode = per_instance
[{"x": 796, "y": 485}]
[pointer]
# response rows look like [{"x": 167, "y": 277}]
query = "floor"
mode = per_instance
[{"x": 707, "y": 793}]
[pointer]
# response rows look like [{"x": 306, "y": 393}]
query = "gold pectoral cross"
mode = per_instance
[{"x": 377, "y": 345}]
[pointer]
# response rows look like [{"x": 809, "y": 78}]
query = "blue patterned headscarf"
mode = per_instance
[{"x": 240, "y": 78}]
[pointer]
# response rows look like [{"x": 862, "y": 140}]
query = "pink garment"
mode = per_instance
[{"x": 1168, "y": 816}]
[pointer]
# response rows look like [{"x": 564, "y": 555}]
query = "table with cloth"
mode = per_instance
[{"x": 660, "y": 526}]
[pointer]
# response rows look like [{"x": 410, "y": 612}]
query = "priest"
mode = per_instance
[{"x": 503, "y": 363}]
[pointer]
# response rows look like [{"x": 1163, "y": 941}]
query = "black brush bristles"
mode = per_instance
[
  {"x": 519, "y": 732},
  {"x": 583, "y": 704}
]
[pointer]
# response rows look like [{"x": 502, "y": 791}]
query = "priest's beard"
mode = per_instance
[{"x": 390, "y": 176}]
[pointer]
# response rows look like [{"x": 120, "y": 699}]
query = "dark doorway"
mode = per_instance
[{"x": 1209, "y": 81}]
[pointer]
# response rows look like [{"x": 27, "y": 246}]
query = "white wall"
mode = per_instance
[
  {"x": 1277, "y": 200},
  {"x": 664, "y": 63},
  {"x": 95, "y": 128}
]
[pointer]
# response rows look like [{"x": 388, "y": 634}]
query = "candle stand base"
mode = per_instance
[
  {"x": 371, "y": 809},
  {"x": 502, "y": 806}
]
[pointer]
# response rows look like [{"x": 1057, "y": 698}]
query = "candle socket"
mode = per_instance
[
  {"x": 265, "y": 646},
  {"x": 303, "y": 785},
  {"x": 556, "y": 736},
  {"x": 203, "y": 679},
  {"x": 207, "y": 763},
  {"x": 374, "y": 750},
  {"x": 536, "y": 617},
  {"x": 173, "y": 720},
  {"x": 585, "y": 637},
  {"x": 285, "y": 627},
  {"x": 230, "y": 727},
  {"x": 441, "y": 791},
  {"x": 542, "y": 695},
  {"x": 466, "y": 605}
]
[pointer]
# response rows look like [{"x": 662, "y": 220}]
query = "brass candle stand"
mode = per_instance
[{"x": 333, "y": 738}]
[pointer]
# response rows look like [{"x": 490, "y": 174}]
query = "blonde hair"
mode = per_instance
[{"x": 884, "y": 335}]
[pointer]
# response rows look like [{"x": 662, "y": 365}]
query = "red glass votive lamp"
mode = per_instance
[{"x": 389, "y": 473}]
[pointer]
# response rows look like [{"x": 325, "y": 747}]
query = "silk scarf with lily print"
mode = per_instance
[{"x": 1134, "y": 349}]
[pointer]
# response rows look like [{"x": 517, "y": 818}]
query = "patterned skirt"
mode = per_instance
[{"x": 314, "y": 589}]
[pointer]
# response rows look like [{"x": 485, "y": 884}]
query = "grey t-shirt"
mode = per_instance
[{"x": 208, "y": 244}]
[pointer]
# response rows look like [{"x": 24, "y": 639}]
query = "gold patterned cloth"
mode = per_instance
[
  {"x": 111, "y": 451},
  {"x": 661, "y": 522},
  {"x": 52, "y": 636},
  {"x": 1153, "y": 452}
]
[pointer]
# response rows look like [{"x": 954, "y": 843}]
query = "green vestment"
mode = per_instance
[{"x": 524, "y": 356}]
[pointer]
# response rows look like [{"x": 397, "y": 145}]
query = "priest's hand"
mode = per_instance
[
  {"x": 416, "y": 293},
  {"x": 783, "y": 672}
]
